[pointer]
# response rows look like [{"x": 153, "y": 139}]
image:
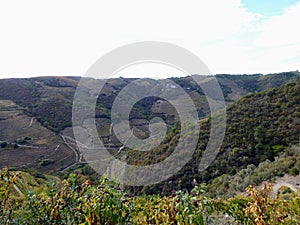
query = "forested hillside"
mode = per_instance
[{"x": 260, "y": 127}]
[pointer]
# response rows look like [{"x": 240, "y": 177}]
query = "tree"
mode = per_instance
[{"x": 260, "y": 134}]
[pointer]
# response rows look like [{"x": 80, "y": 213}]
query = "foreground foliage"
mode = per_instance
[{"x": 107, "y": 203}]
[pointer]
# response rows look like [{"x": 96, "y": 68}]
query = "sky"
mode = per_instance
[{"x": 64, "y": 38}]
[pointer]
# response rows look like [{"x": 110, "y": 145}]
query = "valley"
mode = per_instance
[{"x": 40, "y": 110}]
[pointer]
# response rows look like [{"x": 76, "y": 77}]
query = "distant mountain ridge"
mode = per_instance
[{"x": 49, "y": 99}]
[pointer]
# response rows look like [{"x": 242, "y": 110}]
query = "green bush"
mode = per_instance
[{"x": 294, "y": 171}]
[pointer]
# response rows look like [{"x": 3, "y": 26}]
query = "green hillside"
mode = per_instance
[{"x": 260, "y": 127}]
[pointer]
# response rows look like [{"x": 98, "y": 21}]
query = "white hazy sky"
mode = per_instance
[{"x": 39, "y": 38}]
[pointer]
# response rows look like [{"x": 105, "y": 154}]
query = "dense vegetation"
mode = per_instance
[
  {"x": 228, "y": 185},
  {"x": 259, "y": 82},
  {"x": 75, "y": 202},
  {"x": 260, "y": 127}
]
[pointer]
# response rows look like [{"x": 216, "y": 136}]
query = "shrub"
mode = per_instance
[
  {"x": 294, "y": 171},
  {"x": 107, "y": 203}
]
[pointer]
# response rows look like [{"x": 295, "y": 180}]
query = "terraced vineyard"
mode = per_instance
[{"x": 26, "y": 143}]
